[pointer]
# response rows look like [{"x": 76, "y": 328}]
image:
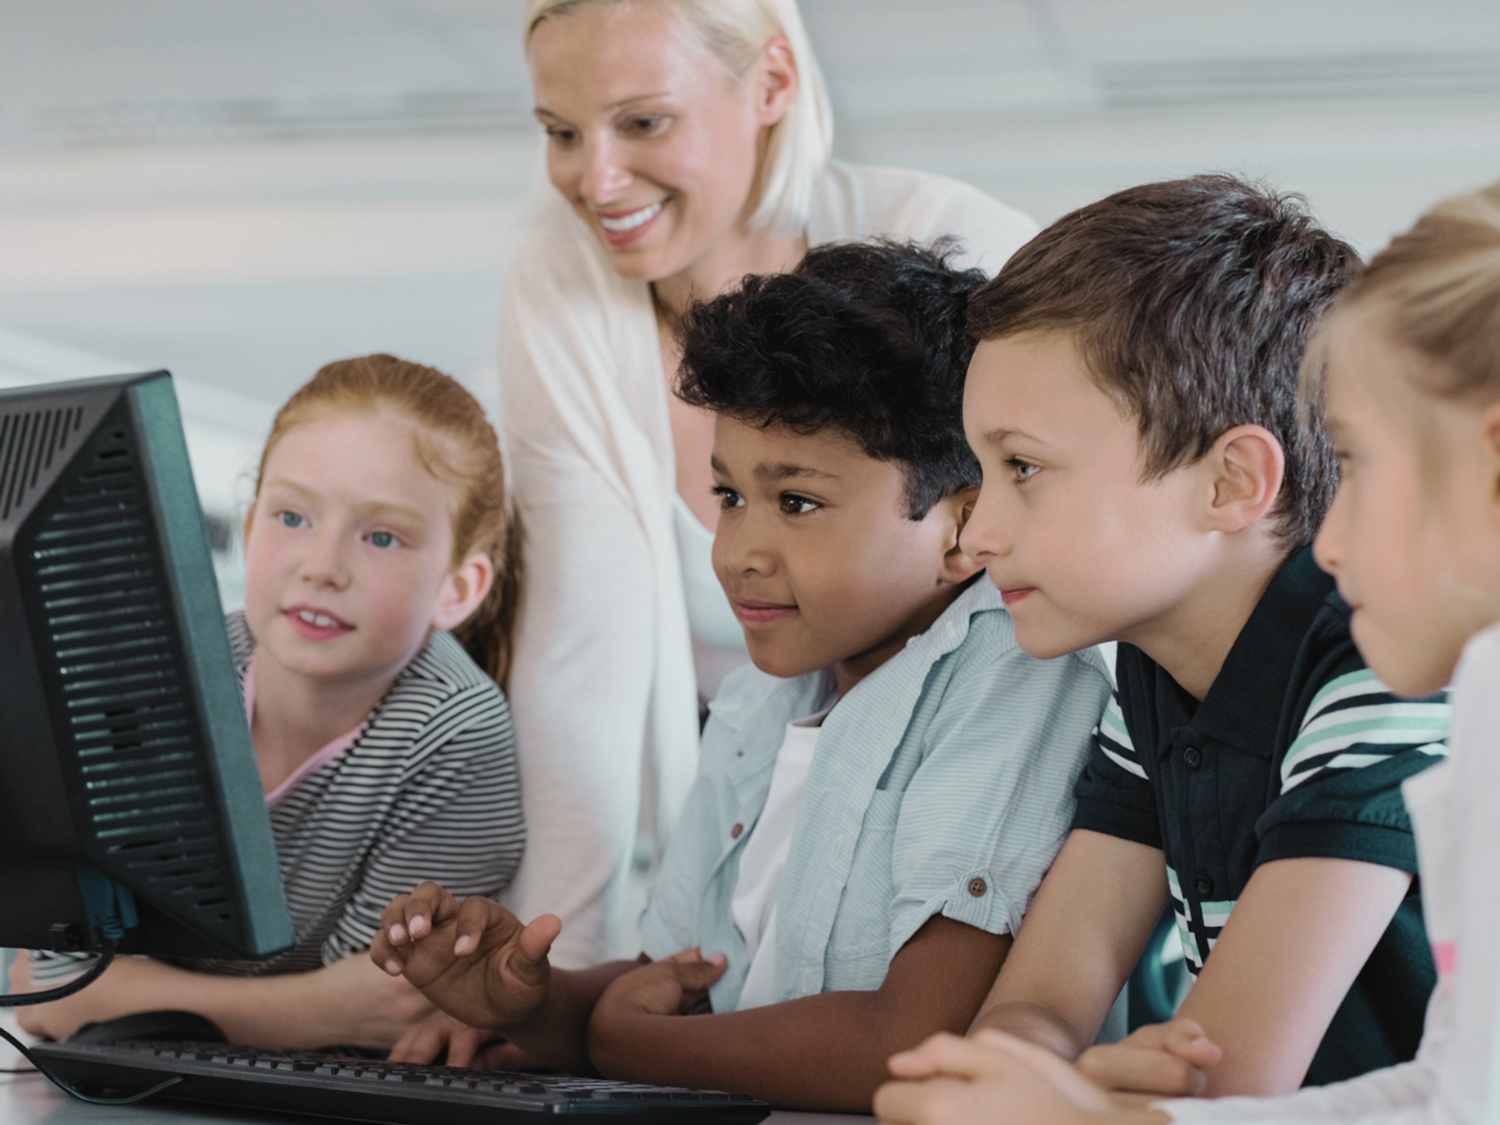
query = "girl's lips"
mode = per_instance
[
  {"x": 754, "y": 613},
  {"x": 1010, "y": 597},
  {"x": 315, "y": 624},
  {"x": 635, "y": 223}
]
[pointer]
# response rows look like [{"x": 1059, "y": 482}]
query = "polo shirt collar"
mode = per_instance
[{"x": 1243, "y": 706}]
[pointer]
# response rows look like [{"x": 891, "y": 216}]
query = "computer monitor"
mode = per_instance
[{"x": 131, "y": 809}]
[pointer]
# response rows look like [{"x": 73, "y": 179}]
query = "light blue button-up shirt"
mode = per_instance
[{"x": 942, "y": 784}]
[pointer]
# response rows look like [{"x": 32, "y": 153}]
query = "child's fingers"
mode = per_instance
[
  {"x": 1062, "y": 1075},
  {"x": 421, "y": 1043},
  {"x": 475, "y": 917},
  {"x": 1119, "y": 1066},
  {"x": 1186, "y": 1039},
  {"x": 945, "y": 1053},
  {"x": 385, "y": 953},
  {"x": 903, "y": 1103},
  {"x": 529, "y": 963},
  {"x": 393, "y": 919},
  {"x": 425, "y": 909}
]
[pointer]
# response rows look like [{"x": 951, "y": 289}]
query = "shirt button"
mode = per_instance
[
  {"x": 734, "y": 833},
  {"x": 977, "y": 887},
  {"x": 1203, "y": 885},
  {"x": 1193, "y": 757}
]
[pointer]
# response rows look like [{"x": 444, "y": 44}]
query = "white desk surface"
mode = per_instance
[{"x": 29, "y": 1099}]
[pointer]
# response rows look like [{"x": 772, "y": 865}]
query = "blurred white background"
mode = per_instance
[{"x": 242, "y": 190}]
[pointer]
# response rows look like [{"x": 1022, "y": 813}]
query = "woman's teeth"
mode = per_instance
[
  {"x": 631, "y": 221},
  {"x": 320, "y": 620}
]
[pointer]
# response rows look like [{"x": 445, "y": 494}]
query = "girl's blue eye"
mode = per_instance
[
  {"x": 382, "y": 539},
  {"x": 290, "y": 519}
]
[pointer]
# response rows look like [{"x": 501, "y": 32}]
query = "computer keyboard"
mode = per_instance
[{"x": 329, "y": 1085}]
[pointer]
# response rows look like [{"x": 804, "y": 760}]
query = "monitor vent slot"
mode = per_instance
[
  {"x": 29, "y": 443},
  {"x": 119, "y": 684}
]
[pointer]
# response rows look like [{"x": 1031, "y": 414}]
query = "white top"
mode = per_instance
[
  {"x": 764, "y": 858},
  {"x": 603, "y": 688},
  {"x": 718, "y": 641},
  {"x": 1455, "y": 1078}
]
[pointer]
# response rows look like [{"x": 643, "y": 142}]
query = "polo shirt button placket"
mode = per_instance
[
  {"x": 1204, "y": 885},
  {"x": 1192, "y": 757}
]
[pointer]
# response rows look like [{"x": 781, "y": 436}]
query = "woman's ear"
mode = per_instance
[
  {"x": 1245, "y": 468},
  {"x": 776, "y": 81},
  {"x": 955, "y": 510},
  {"x": 463, "y": 590}
]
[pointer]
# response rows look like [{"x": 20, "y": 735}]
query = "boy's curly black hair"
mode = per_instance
[{"x": 865, "y": 337}]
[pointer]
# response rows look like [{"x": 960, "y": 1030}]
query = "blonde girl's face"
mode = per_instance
[
  {"x": 348, "y": 550},
  {"x": 649, "y": 137},
  {"x": 1413, "y": 536}
]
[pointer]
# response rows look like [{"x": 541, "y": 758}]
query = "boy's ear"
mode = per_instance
[
  {"x": 463, "y": 590},
  {"x": 1245, "y": 468},
  {"x": 956, "y": 566}
]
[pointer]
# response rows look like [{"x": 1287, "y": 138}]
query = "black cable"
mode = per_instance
[
  {"x": 73, "y": 1090},
  {"x": 77, "y": 984}
]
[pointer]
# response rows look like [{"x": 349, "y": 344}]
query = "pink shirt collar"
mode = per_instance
[{"x": 334, "y": 749}]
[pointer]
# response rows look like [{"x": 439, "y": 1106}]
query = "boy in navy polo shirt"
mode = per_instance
[{"x": 1149, "y": 479}]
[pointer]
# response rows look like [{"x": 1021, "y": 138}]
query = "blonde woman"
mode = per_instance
[{"x": 688, "y": 144}]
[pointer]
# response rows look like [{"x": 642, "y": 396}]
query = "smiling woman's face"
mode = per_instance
[{"x": 649, "y": 138}]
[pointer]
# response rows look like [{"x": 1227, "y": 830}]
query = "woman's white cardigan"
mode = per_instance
[{"x": 602, "y": 689}]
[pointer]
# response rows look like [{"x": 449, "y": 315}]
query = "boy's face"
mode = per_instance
[
  {"x": 1413, "y": 536},
  {"x": 1081, "y": 548},
  {"x": 816, "y": 553}
]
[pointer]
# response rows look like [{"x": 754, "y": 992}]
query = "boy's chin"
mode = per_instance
[
  {"x": 1048, "y": 640},
  {"x": 783, "y": 665}
]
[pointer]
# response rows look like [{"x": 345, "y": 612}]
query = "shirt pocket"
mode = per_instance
[{"x": 860, "y": 943}]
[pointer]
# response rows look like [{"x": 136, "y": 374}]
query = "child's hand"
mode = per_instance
[
  {"x": 473, "y": 959},
  {"x": 672, "y": 986},
  {"x": 1161, "y": 1060},
  {"x": 991, "y": 1079}
]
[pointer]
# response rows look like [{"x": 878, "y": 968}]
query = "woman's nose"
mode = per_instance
[{"x": 604, "y": 174}]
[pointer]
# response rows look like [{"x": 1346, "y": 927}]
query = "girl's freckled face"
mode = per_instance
[{"x": 347, "y": 547}]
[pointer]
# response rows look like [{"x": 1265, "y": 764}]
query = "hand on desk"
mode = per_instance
[
  {"x": 347, "y": 1003},
  {"x": 466, "y": 1046},
  {"x": 673, "y": 986},
  {"x": 993, "y": 1078}
]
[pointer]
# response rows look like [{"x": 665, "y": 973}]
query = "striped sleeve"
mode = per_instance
[
  {"x": 457, "y": 820},
  {"x": 1339, "y": 781},
  {"x": 1355, "y": 721},
  {"x": 1114, "y": 792}
]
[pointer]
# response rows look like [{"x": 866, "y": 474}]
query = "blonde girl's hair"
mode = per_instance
[
  {"x": 1436, "y": 290},
  {"x": 456, "y": 443},
  {"x": 735, "y": 32}
]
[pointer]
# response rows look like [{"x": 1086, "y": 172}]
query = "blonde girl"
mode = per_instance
[
  {"x": 1409, "y": 366},
  {"x": 379, "y": 525}
]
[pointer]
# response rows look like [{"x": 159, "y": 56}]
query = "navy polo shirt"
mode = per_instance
[{"x": 1297, "y": 750}]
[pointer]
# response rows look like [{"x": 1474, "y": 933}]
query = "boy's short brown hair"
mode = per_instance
[{"x": 1190, "y": 302}]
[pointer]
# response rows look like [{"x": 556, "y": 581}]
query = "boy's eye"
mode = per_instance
[
  {"x": 729, "y": 498},
  {"x": 382, "y": 539},
  {"x": 1021, "y": 471},
  {"x": 794, "y": 505},
  {"x": 290, "y": 519}
]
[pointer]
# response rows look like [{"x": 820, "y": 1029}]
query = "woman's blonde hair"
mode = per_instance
[
  {"x": 736, "y": 31},
  {"x": 1436, "y": 290},
  {"x": 455, "y": 442}
]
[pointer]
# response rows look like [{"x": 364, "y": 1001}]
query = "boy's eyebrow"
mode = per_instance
[
  {"x": 1002, "y": 435},
  {"x": 784, "y": 470}
]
